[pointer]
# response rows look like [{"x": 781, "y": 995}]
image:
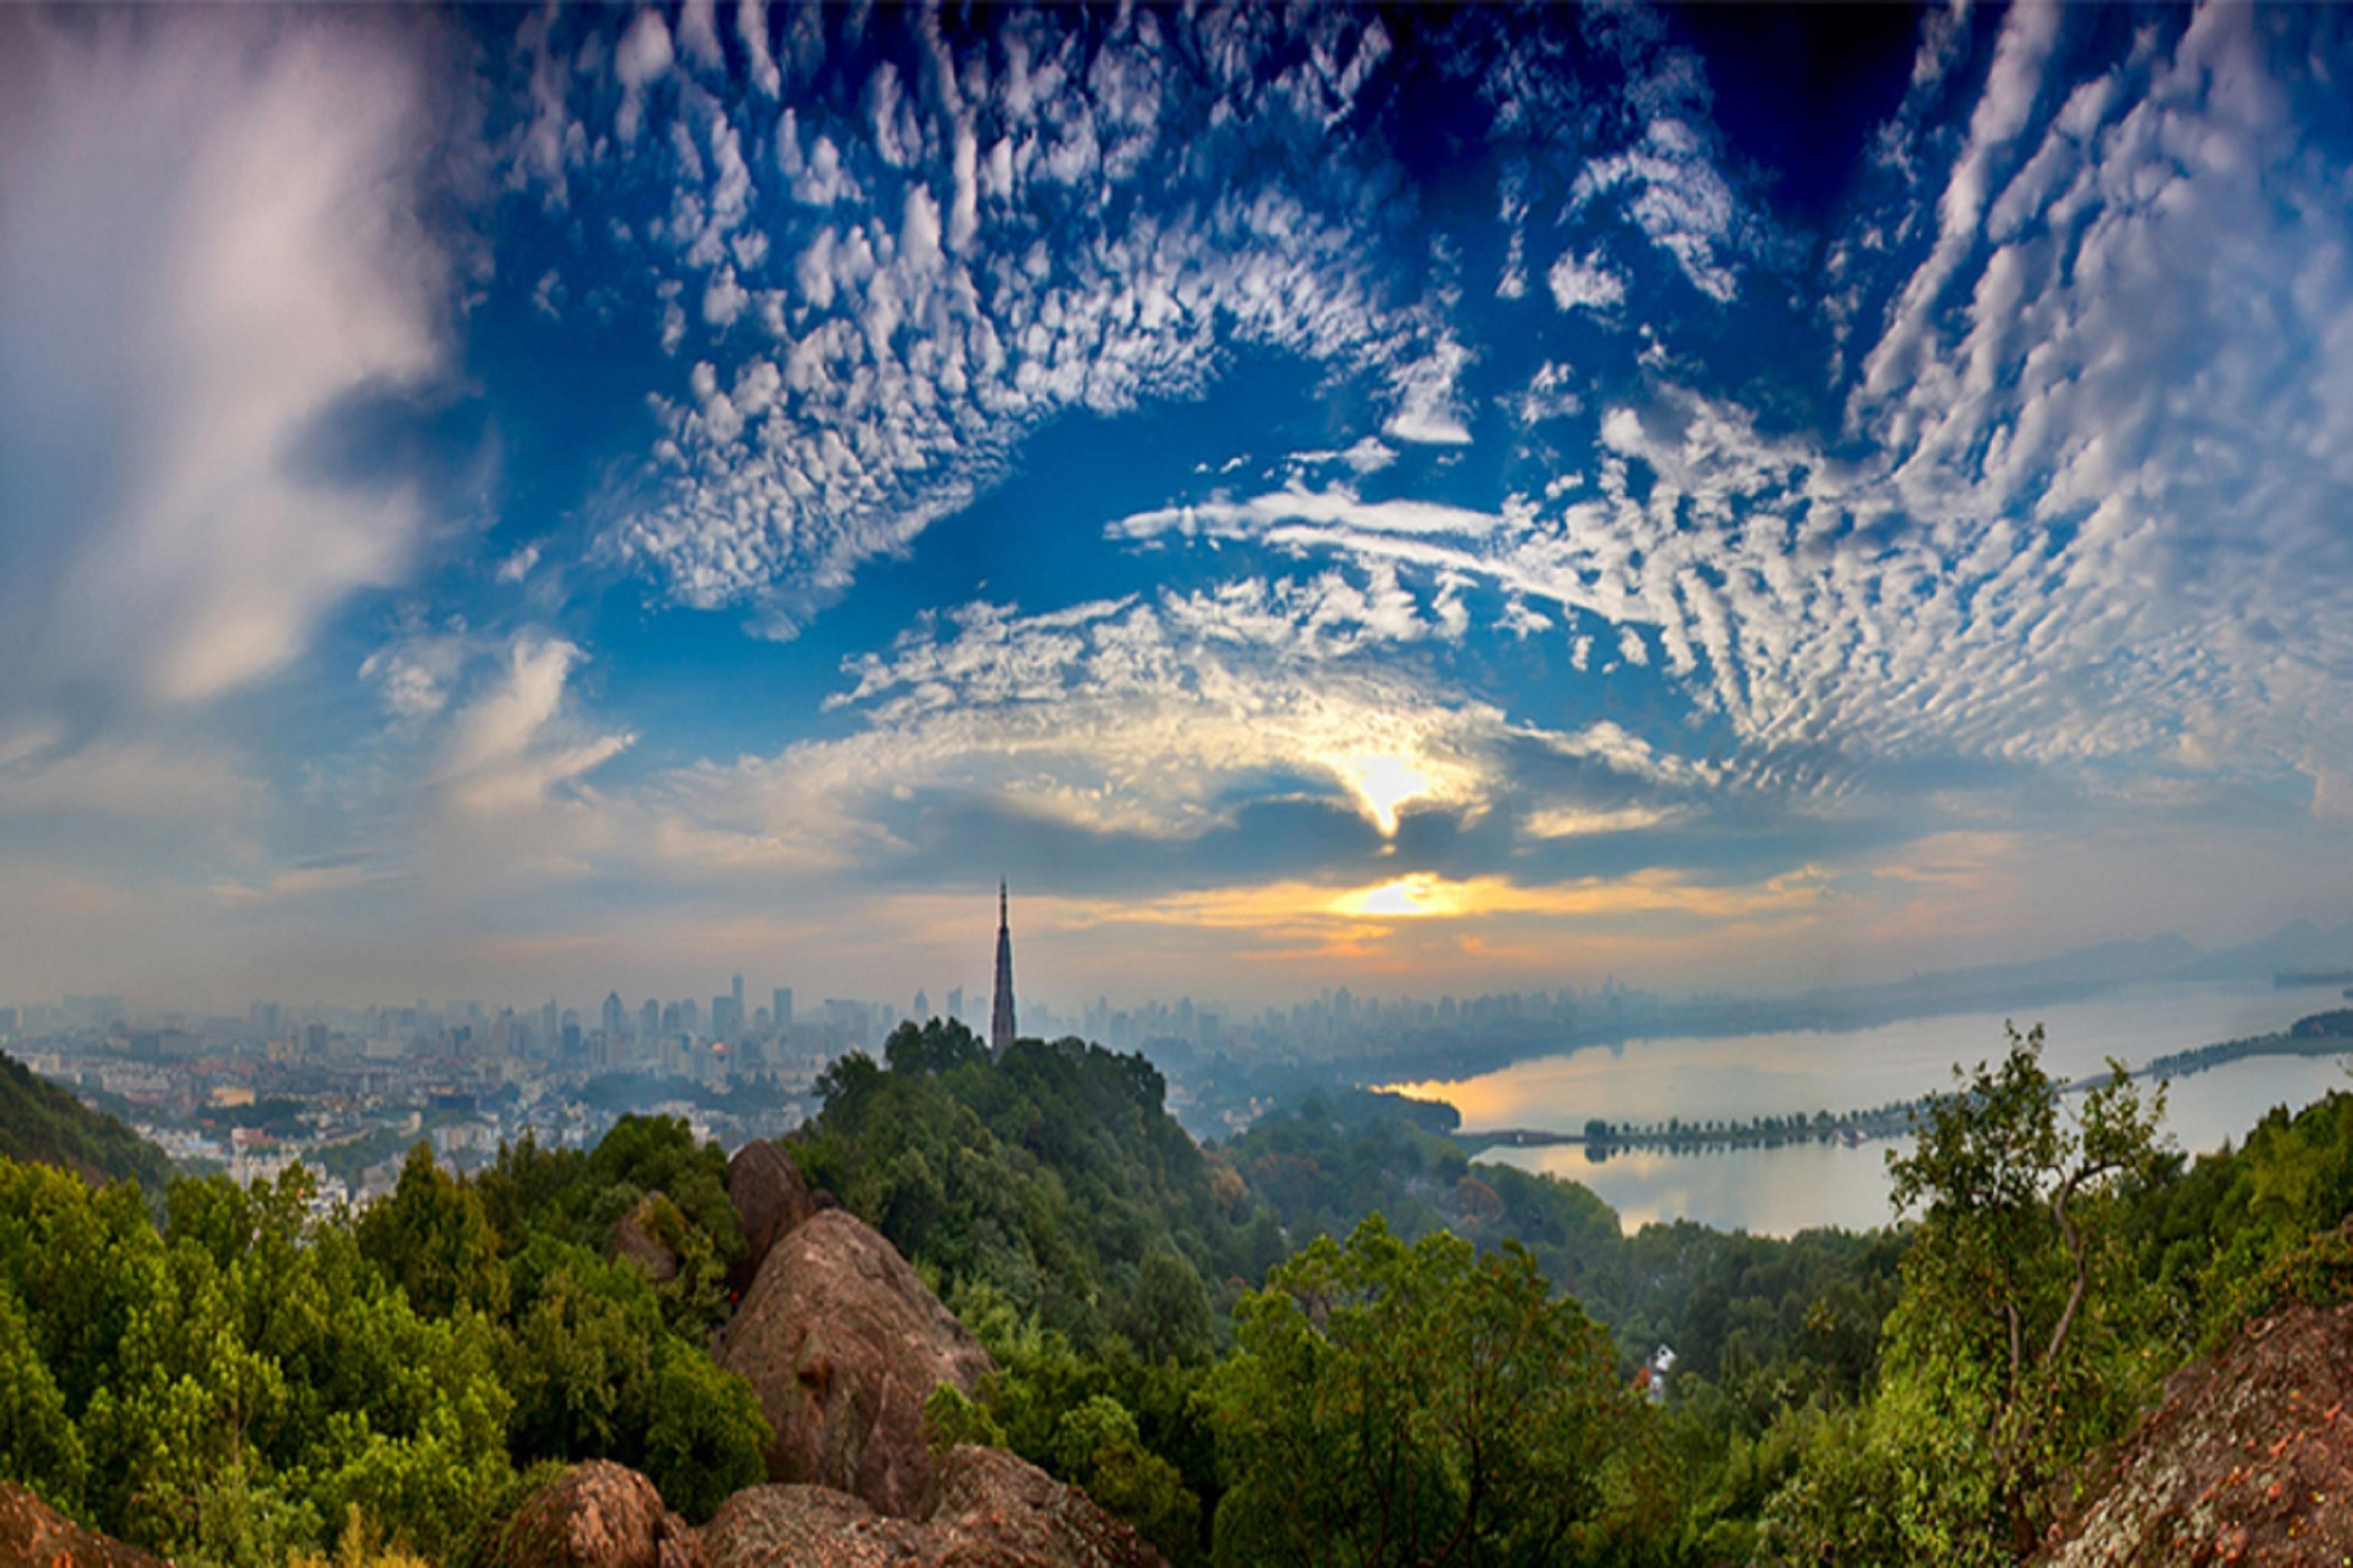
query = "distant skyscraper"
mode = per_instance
[
  {"x": 1000, "y": 1017},
  {"x": 780, "y": 1011},
  {"x": 613, "y": 1015},
  {"x": 922, "y": 1014},
  {"x": 648, "y": 1020},
  {"x": 955, "y": 1002},
  {"x": 736, "y": 992}
]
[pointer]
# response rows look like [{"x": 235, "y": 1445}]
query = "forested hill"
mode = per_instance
[
  {"x": 1054, "y": 1180},
  {"x": 43, "y": 1123},
  {"x": 1818, "y": 1381}
]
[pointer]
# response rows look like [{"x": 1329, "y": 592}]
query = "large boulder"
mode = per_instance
[
  {"x": 2248, "y": 1458},
  {"x": 843, "y": 1343},
  {"x": 637, "y": 1236},
  {"x": 985, "y": 1509},
  {"x": 771, "y": 1200},
  {"x": 33, "y": 1533},
  {"x": 596, "y": 1515}
]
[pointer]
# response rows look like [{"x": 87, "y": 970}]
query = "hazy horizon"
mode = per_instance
[{"x": 498, "y": 503}]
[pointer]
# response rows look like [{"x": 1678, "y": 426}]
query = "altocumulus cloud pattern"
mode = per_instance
[{"x": 1442, "y": 488}]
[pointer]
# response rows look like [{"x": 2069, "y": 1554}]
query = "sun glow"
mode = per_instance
[
  {"x": 1421, "y": 895},
  {"x": 1383, "y": 783}
]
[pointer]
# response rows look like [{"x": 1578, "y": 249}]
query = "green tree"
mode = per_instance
[
  {"x": 1167, "y": 1315},
  {"x": 1422, "y": 1404},
  {"x": 2014, "y": 1346},
  {"x": 39, "y": 1446},
  {"x": 433, "y": 1238},
  {"x": 705, "y": 1438},
  {"x": 1098, "y": 1446}
]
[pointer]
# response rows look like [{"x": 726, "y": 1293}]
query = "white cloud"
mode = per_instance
[
  {"x": 1549, "y": 394},
  {"x": 1266, "y": 516},
  {"x": 517, "y": 567},
  {"x": 1577, "y": 822},
  {"x": 953, "y": 288},
  {"x": 1145, "y": 718},
  {"x": 698, "y": 34},
  {"x": 513, "y": 744},
  {"x": 210, "y": 243},
  {"x": 1584, "y": 283},
  {"x": 1368, "y": 455},
  {"x": 723, "y": 299},
  {"x": 642, "y": 58},
  {"x": 752, "y": 27},
  {"x": 1672, "y": 191},
  {"x": 1428, "y": 411}
]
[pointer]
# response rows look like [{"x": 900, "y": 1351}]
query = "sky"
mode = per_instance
[{"x": 528, "y": 501}]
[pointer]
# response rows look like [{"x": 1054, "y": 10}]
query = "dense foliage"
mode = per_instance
[
  {"x": 1333, "y": 1340},
  {"x": 1055, "y": 1177},
  {"x": 1424, "y": 1404},
  {"x": 249, "y": 1382},
  {"x": 1085, "y": 1238},
  {"x": 45, "y": 1124}
]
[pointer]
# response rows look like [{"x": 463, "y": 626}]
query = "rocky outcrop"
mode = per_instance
[
  {"x": 771, "y": 1201},
  {"x": 985, "y": 1509},
  {"x": 596, "y": 1515},
  {"x": 636, "y": 1237},
  {"x": 843, "y": 1343},
  {"x": 2249, "y": 1458},
  {"x": 31, "y": 1532}
]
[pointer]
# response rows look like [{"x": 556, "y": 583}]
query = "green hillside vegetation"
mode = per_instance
[
  {"x": 1055, "y": 1179},
  {"x": 41, "y": 1123},
  {"x": 228, "y": 1387},
  {"x": 1330, "y": 1339},
  {"x": 1825, "y": 1385}
]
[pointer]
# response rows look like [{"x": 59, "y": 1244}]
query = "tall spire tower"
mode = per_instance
[{"x": 1000, "y": 1017}]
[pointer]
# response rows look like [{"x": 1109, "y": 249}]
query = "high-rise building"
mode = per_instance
[
  {"x": 735, "y": 993},
  {"x": 648, "y": 1021},
  {"x": 955, "y": 1002},
  {"x": 780, "y": 1012},
  {"x": 1000, "y": 1017},
  {"x": 923, "y": 1013},
  {"x": 612, "y": 1017}
]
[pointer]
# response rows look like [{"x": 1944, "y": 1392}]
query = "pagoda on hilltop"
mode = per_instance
[{"x": 1000, "y": 1016}]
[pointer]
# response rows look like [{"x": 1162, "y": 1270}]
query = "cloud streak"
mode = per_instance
[{"x": 211, "y": 251}]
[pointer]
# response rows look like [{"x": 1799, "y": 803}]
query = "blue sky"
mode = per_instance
[{"x": 515, "y": 500}]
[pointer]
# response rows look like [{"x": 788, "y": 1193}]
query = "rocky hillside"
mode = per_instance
[
  {"x": 2249, "y": 1458},
  {"x": 43, "y": 1123},
  {"x": 31, "y": 1532}
]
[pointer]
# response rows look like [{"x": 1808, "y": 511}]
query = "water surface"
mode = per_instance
[{"x": 1778, "y": 1191}]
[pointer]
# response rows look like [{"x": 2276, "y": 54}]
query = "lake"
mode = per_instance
[{"x": 1778, "y": 1191}]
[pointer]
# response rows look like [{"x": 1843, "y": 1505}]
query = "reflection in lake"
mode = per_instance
[{"x": 1778, "y": 1191}]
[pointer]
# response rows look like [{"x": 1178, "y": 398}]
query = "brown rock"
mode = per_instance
[
  {"x": 596, "y": 1515},
  {"x": 843, "y": 1343},
  {"x": 770, "y": 1198},
  {"x": 634, "y": 1238},
  {"x": 988, "y": 1509},
  {"x": 31, "y": 1532},
  {"x": 2249, "y": 1457}
]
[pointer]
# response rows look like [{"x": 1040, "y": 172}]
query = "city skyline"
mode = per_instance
[{"x": 1453, "y": 501}]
